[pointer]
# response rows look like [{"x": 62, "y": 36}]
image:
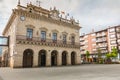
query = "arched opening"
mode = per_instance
[
  {"x": 64, "y": 58},
  {"x": 54, "y": 58},
  {"x": 73, "y": 58},
  {"x": 42, "y": 58},
  {"x": 28, "y": 58}
]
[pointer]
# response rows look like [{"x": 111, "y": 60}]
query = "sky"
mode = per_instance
[{"x": 92, "y": 14}]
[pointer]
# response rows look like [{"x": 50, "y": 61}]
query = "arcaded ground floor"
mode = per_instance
[
  {"x": 34, "y": 56},
  {"x": 81, "y": 72}
]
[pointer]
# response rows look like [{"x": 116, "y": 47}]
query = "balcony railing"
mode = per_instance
[
  {"x": 48, "y": 41},
  {"x": 101, "y": 35}
]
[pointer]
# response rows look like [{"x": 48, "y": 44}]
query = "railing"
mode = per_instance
[{"x": 50, "y": 41}]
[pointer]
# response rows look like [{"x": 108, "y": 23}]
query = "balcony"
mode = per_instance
[
  {"x": 82, "y": 44},
  {"x": 101, "y": 40},
  {"x": 82, "y": 40},
  {"x": 21, "y": 39},
  {"x": 118, "y": 30},
  {"x": 101, "y": 35}
]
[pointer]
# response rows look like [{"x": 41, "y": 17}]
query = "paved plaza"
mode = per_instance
[{"x": 81, "y": 72}]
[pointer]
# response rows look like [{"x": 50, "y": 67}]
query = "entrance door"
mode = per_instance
[
  {"x": 64, "y": 58},
  {"x": 42, "y": 58},
  {"x": 73, "y": 58},
  {"x": 28, "y": 58},
  {"x": 54, "y": 58}
]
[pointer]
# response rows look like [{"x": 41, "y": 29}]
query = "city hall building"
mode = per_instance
[{"x": 40, "y": 37}]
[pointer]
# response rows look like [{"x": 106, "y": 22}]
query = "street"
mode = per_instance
[{"x": 81, "y": 72}]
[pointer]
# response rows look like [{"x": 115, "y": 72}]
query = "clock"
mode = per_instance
[{"x": 22, "y": 18}]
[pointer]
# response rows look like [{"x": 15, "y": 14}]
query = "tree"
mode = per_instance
[
  {"x": 100, "y": 60},
  {"x": 87, "y": 55},
  {"x": 112, "y": 54},
  {"x": 108, "y": 57}
]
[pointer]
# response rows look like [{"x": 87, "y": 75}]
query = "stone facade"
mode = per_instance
[
  {"x": 33, "y": 49},
  {"x": 0, "y": 61}
]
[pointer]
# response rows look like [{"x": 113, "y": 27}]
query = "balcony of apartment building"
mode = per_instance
[
  {"x": 82, "y": 40},
  {"x": 82, "y": 49},
  {"x": 82, "y": 43},
  {"x": 103, "y": 34},
  {"x": 118, "y": 30},
  {"x": 104, "y": 51},
  {"x": 22, "y": 39},
  {"x": 118, "y": 35},
  {"x": 118, "y": 41},
  {"x": 101, "y": 40},
  {"x": 102, "y": 46},
  {"x": 112, "y": 30}
]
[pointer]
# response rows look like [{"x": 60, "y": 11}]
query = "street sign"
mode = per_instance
[{"x": 4, "y": 41}]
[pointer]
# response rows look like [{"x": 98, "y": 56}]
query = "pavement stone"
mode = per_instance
[{"x": 81, "y": 72}]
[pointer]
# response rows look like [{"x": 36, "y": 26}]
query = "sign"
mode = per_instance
[{"x": 4, "y": 41}]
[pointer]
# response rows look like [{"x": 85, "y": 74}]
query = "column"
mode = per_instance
[
  {"x": 35, "y": 58},
  {"x": 59, "y": 59},
  {"x": 48, "y": 58},
  {"x": 69, "y": 59}
]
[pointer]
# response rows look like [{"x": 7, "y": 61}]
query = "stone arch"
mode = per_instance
[
  {"x": 43, "y": 29},
  {"x": 30, "y": 26},
  {"x": 73, "y": 58},
  {"x": 54, "y": 56},
  {"x": 64, "y": 57},
  {"x": 28, "y": 58},
  {"x": 42, "y": 57},
  {"x": 55, "y": 31}
]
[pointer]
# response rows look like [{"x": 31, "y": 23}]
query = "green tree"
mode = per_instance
[
  {"x": 108, "y": 55},
  {"x": 114, "y": 52},
  {"x": 100, "y": 60}
]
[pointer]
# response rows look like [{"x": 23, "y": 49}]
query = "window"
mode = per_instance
[
  {"x": 112, "y": 30},
  {"x": 54, "y": 38},
  {"x": 113, "y": 42},
  {"x": 86, "y": 36},
  {"x": 93, "y": 34},
  {"x": 73, "y": 40},
  {"x": 93, "y": 45},
  {"x": 30, "y": 10},
  {"x": 43, "y": 36},
  {"x": 112, "y": 36},
  {"x": 29, "y": 33},
  {"x": 64, "y": 39}
]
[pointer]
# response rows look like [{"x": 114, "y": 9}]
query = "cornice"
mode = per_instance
[
  {"x": 45, "y": 18},
  {"x": 10, "y": 21}
]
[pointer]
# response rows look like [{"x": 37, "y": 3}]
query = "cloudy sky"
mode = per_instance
[{"x": 92, "y": 14}]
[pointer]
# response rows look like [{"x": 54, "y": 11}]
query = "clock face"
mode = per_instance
[{"x": 22, "y": 18}]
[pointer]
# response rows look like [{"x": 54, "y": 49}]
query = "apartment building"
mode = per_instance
[
  {"x": 88, "y": 43},
  {"x": 114, "y": 38},
  {"x": 41, "y": 37},
  {"x": 104, "y": 40}
]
